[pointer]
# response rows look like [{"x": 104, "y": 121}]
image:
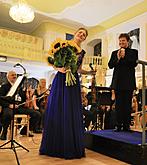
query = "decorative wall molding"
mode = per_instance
[{"x": 23, "y": 46}]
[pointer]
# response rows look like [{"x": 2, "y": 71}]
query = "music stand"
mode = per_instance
[
  {"x": 12, "y": 94},
  {"x": 103, "y": 98}
]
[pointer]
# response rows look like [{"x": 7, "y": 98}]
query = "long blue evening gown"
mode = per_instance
[{"x": 63, "y": 126}]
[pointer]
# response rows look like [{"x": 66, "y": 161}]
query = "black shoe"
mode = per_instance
[
  {"x": 3, "y": 137},
  {"x": 25, "y": 133},
  {"x": 4, "y": 134},
  {"x": 31, "y": 135},
  {"x": 37, "y": 131},
  {"x": 117, "y": 129}
]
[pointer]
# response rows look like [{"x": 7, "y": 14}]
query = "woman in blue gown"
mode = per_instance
[{"x": 63, "y": 126}]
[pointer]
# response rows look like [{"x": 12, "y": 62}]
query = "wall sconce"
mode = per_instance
[{"x": 3, "y": 58}]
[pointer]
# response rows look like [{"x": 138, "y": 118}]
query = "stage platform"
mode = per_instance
[{"x": 124, "y": 146}]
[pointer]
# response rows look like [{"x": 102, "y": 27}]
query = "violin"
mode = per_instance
[
  {"x": 93, "y": 84},
  {"x": 29, "y": 97},
  {"x": 44, "y": 99}
]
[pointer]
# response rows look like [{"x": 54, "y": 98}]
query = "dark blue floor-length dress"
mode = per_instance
[{"x": 63, "y": 126}]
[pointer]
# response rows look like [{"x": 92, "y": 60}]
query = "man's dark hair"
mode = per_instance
[{"x": 125, "y": 35}]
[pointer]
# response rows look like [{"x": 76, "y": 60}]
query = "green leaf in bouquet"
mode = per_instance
[
  {"x": 57, "y": 64},
  {"x": 74, "y": 68},
  {"x": 51, "y": 60},
  {"x": 59, "y": 60}
]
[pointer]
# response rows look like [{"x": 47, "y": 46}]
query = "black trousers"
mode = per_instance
[
  {"x": 7, "y": 116},
  {"x": 123, "y": 107},
  {"x": 41, "y": 122},
  {"x": 88, "y": 117}
]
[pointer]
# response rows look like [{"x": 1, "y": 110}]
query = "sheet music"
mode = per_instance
[{"x": 15, "y": 86}]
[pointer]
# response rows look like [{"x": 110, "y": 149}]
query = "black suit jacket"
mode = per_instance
[
  {"x": 4, "y": 89},
  {"x": 3, "y": 92},
  {"x": 124, "y": 70}
]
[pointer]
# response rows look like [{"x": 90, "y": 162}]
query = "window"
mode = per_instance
[{"x": 69, "y": 36}]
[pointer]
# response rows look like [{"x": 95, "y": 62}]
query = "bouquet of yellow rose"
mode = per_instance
[{"x": 63, "y": 54}]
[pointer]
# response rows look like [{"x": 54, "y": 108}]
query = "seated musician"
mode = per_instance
[
  {"x": 110, "y": 113},
  {"x": 110, "y": 117},
  {"x": 7, "y": 108},
  {"x": 29, "y": 97},
  {"x": 40, "y": 100},
  {"x": 88, "y": 115},
  {"x": 137, "y": 111},
  {"x": 94, "y": 107}
]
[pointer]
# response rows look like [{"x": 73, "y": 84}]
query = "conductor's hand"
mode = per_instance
[
  {"x": 122, "y": 52},
  {"x": 119, "y": 54}
]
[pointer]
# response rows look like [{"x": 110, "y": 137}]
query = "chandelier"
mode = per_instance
[{"x": 21, "y": 12}]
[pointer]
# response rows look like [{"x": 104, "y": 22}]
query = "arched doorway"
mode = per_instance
[{"x": 96, "y": 44}]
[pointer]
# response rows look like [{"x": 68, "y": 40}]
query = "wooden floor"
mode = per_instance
[{"x": 7, "y": 156}]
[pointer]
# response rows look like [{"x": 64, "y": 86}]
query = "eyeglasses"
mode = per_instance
[{"x": 12, "y": 74}]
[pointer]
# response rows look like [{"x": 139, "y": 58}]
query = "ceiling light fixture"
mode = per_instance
[{"x": 21, "y": 12}]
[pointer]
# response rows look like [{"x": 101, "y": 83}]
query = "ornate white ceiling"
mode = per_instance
[{"x": 72, "y": 13}]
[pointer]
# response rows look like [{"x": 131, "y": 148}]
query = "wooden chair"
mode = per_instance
[
  {"x": 135, "y": 113},
  {"x": 141, "y": 122},
  {"x": 136, "y": 120},
  {"x": 24, "y": 122}
]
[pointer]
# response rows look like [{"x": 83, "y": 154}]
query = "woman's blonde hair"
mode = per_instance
[{"x": 39, "y": 85}]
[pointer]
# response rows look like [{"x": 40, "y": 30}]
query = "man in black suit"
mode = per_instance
[
  {"x": 124, "y": 61},
  {"x": 7, "y": 108}
]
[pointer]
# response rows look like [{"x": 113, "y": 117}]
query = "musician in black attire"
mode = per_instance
[
  {"x": 40, "y": 100},
  {"x": 88, "y": 115},
  {"x": 7, "y": 108},
  {"x": 124, "y": 61}
]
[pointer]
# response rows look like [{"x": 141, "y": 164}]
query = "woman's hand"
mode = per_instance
[{"x": 62, "y": 70}]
